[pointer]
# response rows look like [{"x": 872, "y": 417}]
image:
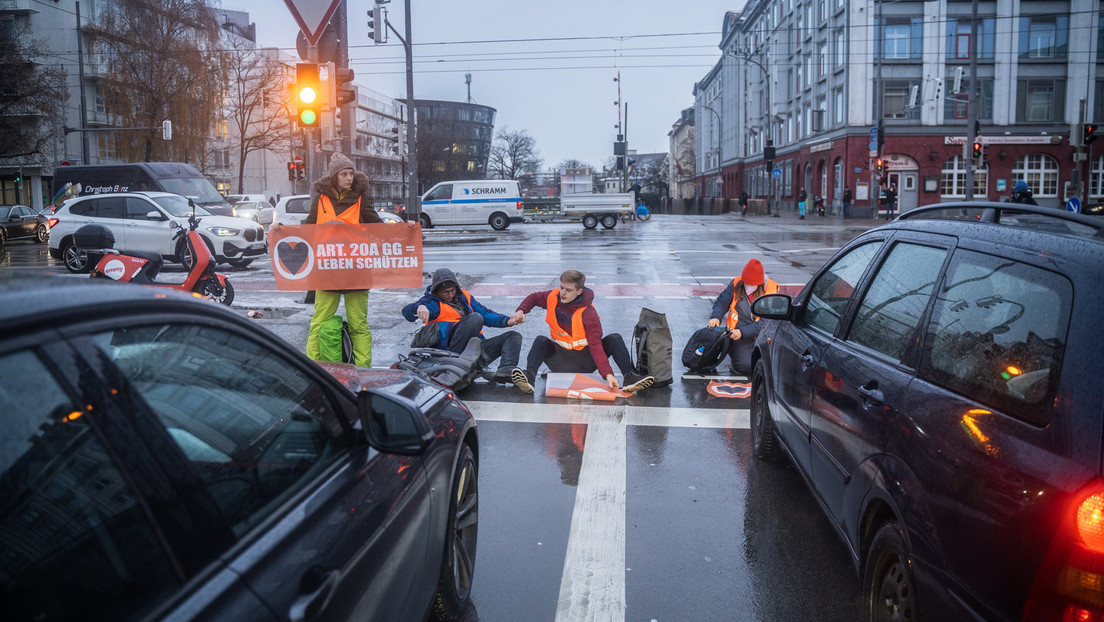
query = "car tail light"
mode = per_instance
[
  {"x": 1069, "y": 585},
  {"x": 51, "y": 222},
  {"x": 519, "y": 205}
]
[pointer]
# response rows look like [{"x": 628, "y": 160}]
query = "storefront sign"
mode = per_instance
[{"x": 1006, "y": 140}]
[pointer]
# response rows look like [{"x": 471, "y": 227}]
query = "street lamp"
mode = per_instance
[
  {"x": 720, "y": 158},
  {"x": 768, "y": 147}
]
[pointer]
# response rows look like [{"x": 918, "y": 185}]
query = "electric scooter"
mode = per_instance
[{"x": 142, "y": 267}]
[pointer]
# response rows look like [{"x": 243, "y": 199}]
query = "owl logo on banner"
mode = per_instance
[
  {"x": 729, "y": 389},
  {"x": 294, "y": 258}
]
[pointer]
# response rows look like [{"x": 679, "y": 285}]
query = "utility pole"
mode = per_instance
[
  {"x": 973, "y": 102},
  {"x": 625, "y": 179},
  {"x": 80, "y": 76},
  {"x": 414, "y": 205}
]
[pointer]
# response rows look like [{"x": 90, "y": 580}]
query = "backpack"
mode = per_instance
[
  {"x": 446, "y": 368},
  {"x": 652, "y": 347},
  {"x": 334, "y": 343},
  {"x": 705, "y": 349}
]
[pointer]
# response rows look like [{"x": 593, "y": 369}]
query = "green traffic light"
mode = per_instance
[{"x": 308, "y": 117}]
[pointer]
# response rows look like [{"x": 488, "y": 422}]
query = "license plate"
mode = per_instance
[{"x": 257, "y": 245}]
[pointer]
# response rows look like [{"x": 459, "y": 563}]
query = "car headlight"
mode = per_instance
[{"x": 224, "y": 232}]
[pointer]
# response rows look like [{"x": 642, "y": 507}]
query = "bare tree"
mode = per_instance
[
  {"x": 256, "y": 103},
  {"x": 32, "y": 95},
  {"x": 653, "y": 176},
  {"x": 572, "y": 163},
  {"x": 513, "y": 154},
  {"x": 163, "y": 62}
]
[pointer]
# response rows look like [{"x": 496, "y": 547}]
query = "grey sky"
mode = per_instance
[{"x": 559, "y": 89}]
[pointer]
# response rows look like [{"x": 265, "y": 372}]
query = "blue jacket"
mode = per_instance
[{"x": 434, "y": 302}]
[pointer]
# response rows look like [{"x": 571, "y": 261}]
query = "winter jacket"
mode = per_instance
[
  {"x": 592, "y": 324},
  {"x": 461, "y": 305},
  {"x": 360, "y": 190},
  {"x": 747, "y": 324}
]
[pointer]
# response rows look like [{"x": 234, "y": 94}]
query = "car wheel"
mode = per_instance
[
  {"x": 42, "y": 234},
  {"x": 454, "y": 585},
  {"x": 214, "y": 290},
  {"x": 888, "y": 585},
  {"x": 239, "y": 263},
  {"x": 75, "y": 259},
  {"x": 499, "y": 221},
  {"x": 609, "y": 221},
  {"x": 590, "y": 221},
  {"x": 424, "y": 220},
  {"x": 764, "y": 442}
]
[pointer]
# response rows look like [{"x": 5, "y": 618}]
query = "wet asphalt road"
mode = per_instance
[{"x": 648, "y": 508}]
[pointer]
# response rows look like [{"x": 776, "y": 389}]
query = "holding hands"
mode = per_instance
[{"x": 517, "y": 318}]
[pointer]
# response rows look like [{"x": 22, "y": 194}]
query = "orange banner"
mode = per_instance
[
  {"x": 342, "y": 256},
  {"x": 581, "y": 387}
]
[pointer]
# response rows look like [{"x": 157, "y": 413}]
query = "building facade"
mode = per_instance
[
  {"x": 454, "y": 140},
  {"x": 815, "y": 77},
  {"x": 681, "y": 162}
]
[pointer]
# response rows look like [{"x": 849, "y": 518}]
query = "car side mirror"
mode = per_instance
[
  {"x": 773, "y": 307},
  {"x": 393, "y": 426},
  {"x": 154, "y": 215}
]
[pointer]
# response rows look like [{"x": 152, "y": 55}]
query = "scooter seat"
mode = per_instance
[{"x": 155, "y": 262}]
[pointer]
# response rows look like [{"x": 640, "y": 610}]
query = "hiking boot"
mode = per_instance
[
  {"x": 522, "y": 379},
  {"x": 504, "y": 375},
  {"x": 635, "y": 382}
]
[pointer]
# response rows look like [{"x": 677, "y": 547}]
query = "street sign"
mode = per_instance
[
  {"x": 873, "y": 151},
  {"x": 776, "y": 173},
  {"x": 312, "y": 16},
  {"x": 1073, "y": 205}
]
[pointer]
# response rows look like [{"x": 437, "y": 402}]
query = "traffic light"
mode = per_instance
[
  {"x": 18, "y": 177},
  {"x": 1088, "y": 133},
  {"x": 344, "y": 93},
  {"x": 300, "y": 171},
  {"x": 977, "y": 150},
  {"x": 308, "y": 95},
  {"x": 377, "y": 23},
  {"x": 878, "y": 166},
  {"x": 291, "y": 171}
]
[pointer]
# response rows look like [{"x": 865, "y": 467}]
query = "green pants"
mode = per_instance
[{"x": 356, "y": 314}]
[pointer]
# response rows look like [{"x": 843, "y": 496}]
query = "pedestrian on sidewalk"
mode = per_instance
[
  {"x": 733, "y": 306},
  {"x": 891, "y": 200},
  {"x": 846, "y": 202},
  {"x": 743, "y": 202},
  {"x": 342, "y": 196},
  {"x": 452, "y": 316},
  {"x": 801, "y": 198},
  {"x": 575, "y": 343}
]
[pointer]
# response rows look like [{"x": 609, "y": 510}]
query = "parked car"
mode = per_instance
[
  {"x": 259, "y": 212},
  {"x": 19, "y": 222},
  {"x": 147, "y": 221},
  {"x": 163, "y": 457},
  {"x": 234, "y": 199},
  {"x": 937, "y": 384},
  {"x": 293, "y": 210}
]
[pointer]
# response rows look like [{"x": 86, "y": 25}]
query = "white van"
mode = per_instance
[{"x": 479, "y": 202}]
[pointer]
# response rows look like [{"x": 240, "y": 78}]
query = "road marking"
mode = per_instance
[{"x": 725, "y": 418}]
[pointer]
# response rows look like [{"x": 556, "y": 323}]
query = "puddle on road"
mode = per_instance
[{"x": 269, "y": 313}]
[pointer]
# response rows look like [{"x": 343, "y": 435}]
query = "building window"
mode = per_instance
[
  {"x": 1040, "y": 100},
  {"x": 1040, "y": 171},
  {"x": 222, "y": 129},
  {"x": 958, "y": 38},
  {"x": 1100, "y": 39},
  {"x": 1044, "y": 36},
  {"x": 901, "y": 37},
  {"x": 839, "y": 106},
  {"x": 895, "y": 100},
  {"x": 822, "y": 60},
  {"x": 953, "y": 185},
  {"x": 1096, "y": 178},
  {"x": 839, "y": 47},
  {"x": 957, "y": 105},
  {"x": 822, "y": 10}
]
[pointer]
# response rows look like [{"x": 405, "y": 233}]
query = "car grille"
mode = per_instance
[{"x": 253, "y": 234}]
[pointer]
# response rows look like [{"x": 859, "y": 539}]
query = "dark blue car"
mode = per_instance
[
  {"x": 164, "y": 458},
  {"x": 938, "y": 385}
]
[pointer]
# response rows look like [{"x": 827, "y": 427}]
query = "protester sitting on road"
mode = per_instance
[
  {"x": 576, "y": 343},
  {"x": 733, "y": 306},
  {"x": 452, "y": 316}
]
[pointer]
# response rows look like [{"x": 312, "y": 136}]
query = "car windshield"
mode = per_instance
[
  {"x": 178, "y": 207},
  {"x": 196, "y": 187}
]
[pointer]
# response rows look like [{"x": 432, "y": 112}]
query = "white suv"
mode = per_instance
[{"x": 140, "y": 221}]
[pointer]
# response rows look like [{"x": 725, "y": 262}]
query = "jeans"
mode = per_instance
[
  {"x": 545, "y": 351},
  {"x": 847, "y": 209},
  {"x": 506, "y": 345}
]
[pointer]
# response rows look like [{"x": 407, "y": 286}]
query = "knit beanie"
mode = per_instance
[
  {"x": 753, "y": 273},
  {"x": 338, "y": 162}
]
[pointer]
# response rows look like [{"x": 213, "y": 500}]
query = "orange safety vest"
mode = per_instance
[
  {"x": 771, "y": 287},
  {"x": 576, "y": 339},
  {"x": 350, "y": 216},
  {"x": 450, "y": 315}
]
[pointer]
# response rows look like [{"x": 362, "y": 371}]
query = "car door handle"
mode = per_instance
[
  {"x": 807, "y": 361},
  {"x": 308, "y": 606},
  {"x": 871, "y": 396}
]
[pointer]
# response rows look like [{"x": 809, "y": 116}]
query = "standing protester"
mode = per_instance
[
  {"x": 452, "y": 316},
  {"x": 847, "y": 201},
  {"x": 342, "y": 196},
  {"x": 801, "y": 204},
  {"x": 733, "y": 306},
  {"x": 576, "y": 343},
  {"x": 891, "y": 200},
  {"x": 1021, "y": 193},
  {"x": 743, "y": 202}
]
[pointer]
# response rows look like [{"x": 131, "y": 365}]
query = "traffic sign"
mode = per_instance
[
  {"x": 1073, "y": 205},
  {"x": 312, "y": 16},
  {"x": 776, "y": 173}
]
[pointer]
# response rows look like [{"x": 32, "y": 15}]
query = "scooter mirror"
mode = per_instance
[{"x": 173, "y": 224}]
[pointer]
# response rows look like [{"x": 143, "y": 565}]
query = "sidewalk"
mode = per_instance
[{"x": 791, "y": 217}]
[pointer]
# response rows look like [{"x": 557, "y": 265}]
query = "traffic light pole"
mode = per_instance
[
  {"x": 414, "y": 203},
  {"x": 973, "y": 102}
]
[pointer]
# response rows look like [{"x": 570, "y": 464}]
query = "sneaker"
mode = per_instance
[
  {"x": 522, "y": 380},
  {"x": 635, "y": 382},
  {"x": 504, "y": 375}
]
